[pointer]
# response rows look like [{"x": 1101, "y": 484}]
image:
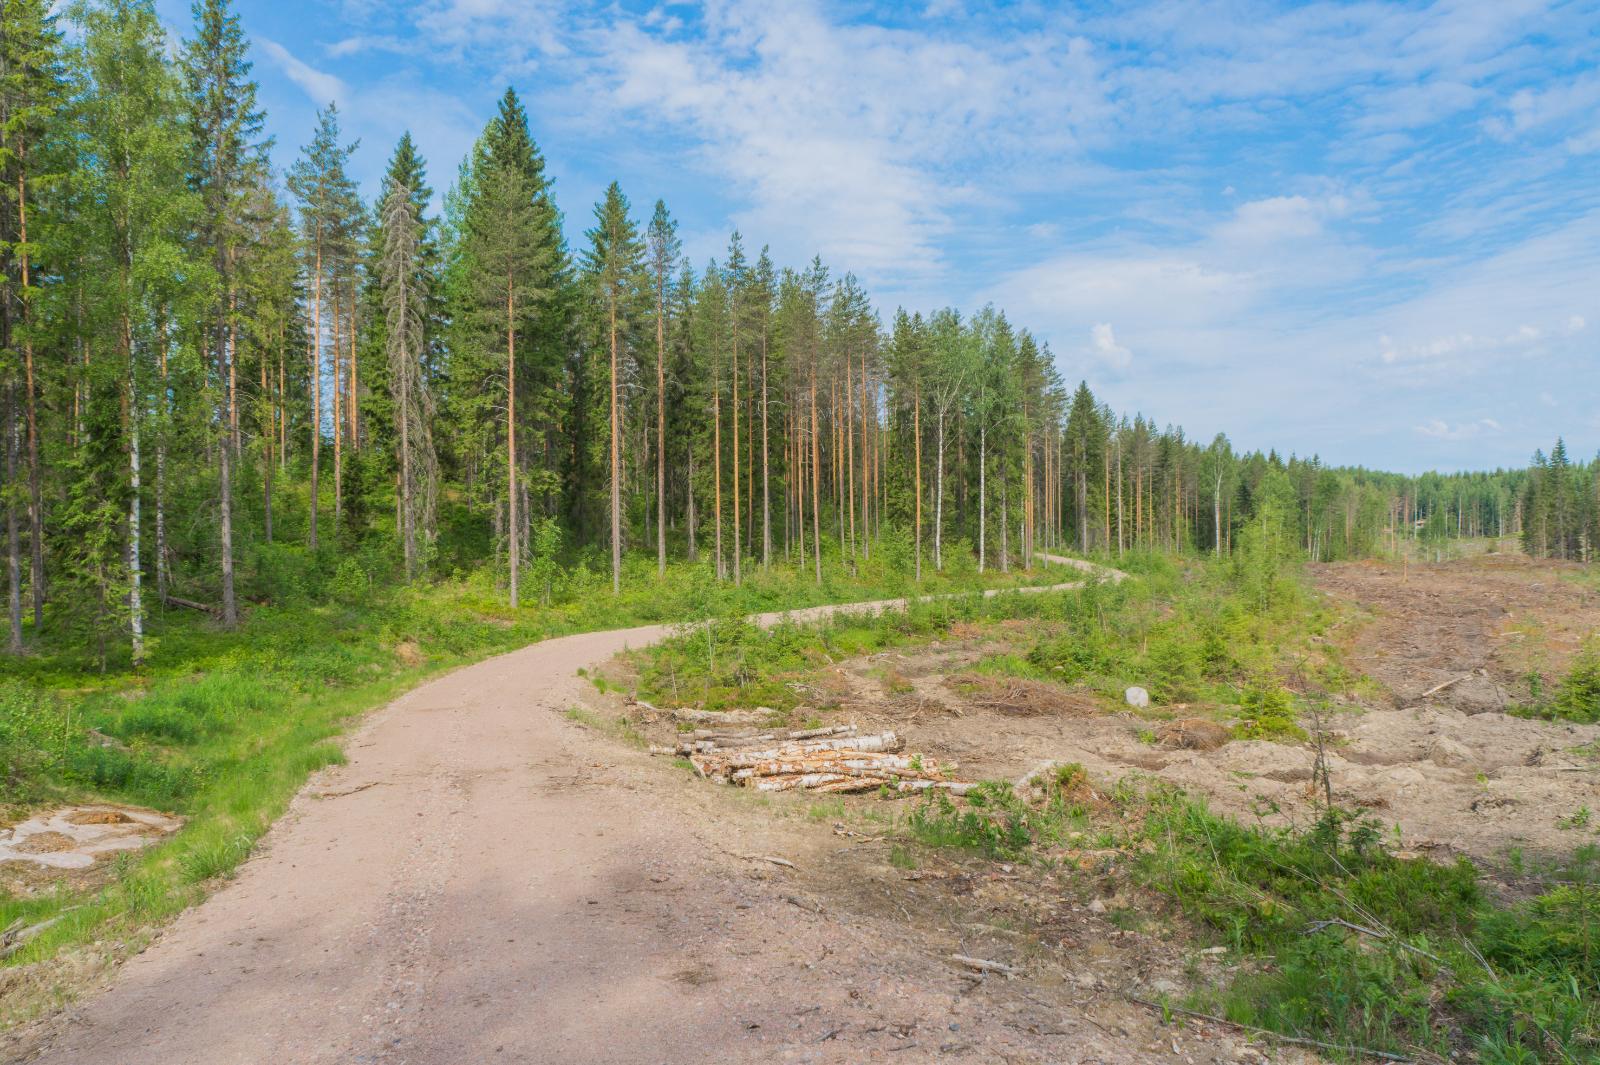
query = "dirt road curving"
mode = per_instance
[{"x": 487, "y": 881}]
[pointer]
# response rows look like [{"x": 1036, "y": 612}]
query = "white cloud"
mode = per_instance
[
  {"x": 1441, "y": 430},
  {"x": 320, "y": 86},
  {"x": 862, "y": 142},
  {"x": 1103, "y": 344}
]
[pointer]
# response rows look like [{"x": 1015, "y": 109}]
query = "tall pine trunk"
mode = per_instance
[
  {"x": 13, "y": 531},
  {"x": 661, "y": 432},
  {"x": 316, "y": 387},
  {"x": 35, "y": 489},
  {"x": 230, "y": 605},
  {"x": 816, "y": 478},
  {"x": 983, "y": 495},
  {"x": 938, "y": 498},
  {"x": 338, "y": 406},
  {"x": 267, "y": 440},
  {"x": 916, "y": 434},
  {"x": 766, "y": 470},
  {"x": 515, "y": 552},
  {"x": 616, "y": 460},
  {"x": 716, "y": 460},
  {"x": 353, "y": 404}
]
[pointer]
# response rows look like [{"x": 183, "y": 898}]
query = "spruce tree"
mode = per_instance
[{"x": 405, "y": 281}]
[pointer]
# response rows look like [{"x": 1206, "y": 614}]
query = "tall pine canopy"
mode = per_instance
[{"x": 223, "y": 385}]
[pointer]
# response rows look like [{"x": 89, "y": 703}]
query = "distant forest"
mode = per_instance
[{"x": 211, "y": 371}]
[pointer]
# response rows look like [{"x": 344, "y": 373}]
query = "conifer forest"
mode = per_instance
[{"x": 1312, "y": 744}]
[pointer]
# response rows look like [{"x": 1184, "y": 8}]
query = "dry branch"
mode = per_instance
[
  {"x": 1437, "y": 688},
  {"x": 984, "y": 965}
]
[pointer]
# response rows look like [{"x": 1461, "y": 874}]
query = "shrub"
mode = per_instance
[
  {"x": 1577, "y": 698},
  {"x": 1268, "y": 714}
]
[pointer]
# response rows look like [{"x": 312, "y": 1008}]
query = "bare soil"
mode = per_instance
[
  {"x": 1450, "y": 772},
  {"x": 1482, "y": 624}
]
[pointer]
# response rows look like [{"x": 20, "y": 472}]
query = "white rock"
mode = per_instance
[{"x": 1137, "y": 697}]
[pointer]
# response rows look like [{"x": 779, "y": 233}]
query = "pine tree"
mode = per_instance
[
  {"x": 32, "y": 95},
  {"x": 318, "y": 180},
  {"x": 763, "y": 290},
  {"x": 663, "y": 249},
  {"x": 613, "y": 263},
  {"x": 508, "y": 260},
  {"x": 224, "y": 125}
]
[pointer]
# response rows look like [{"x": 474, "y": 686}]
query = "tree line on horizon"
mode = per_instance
[{"x": 207, "y": 367}]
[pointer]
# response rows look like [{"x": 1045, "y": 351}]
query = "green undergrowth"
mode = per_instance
[
  {"x": 223, "y": 727},
  {"x": 731, "y": 662},
  {"x": 1340, "y": 939},
  {"x": 1188, "y": 630},
  {"x": 1576, "y": 697}
]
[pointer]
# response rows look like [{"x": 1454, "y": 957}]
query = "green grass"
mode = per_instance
[
  {"x": 732, "y": 663},
  {"x": 1187, "y": 630},
  {"x": 1340, "y": 939},
  {"x": 224, "y": 727},
  {"x": 1439, "y": 963}
]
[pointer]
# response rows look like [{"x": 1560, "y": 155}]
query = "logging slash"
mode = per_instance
[{"x": 832, "y": 760}]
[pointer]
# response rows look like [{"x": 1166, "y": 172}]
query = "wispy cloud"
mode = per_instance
[
  {"x": 1441, "y": 430},
  {"x": 320, "y": 86}
]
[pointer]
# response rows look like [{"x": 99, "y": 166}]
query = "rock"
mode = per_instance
[
  {"x": 1162, "y": 986},
  {"x": 1193, "y": 733},
  {"x": 1452, "y": 754},
  {"x": 1097, "y": 906},
  {"x": 1137, "y": 697}
]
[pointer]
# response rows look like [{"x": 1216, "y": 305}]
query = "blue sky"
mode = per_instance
[{"x": 1369, "y": 231}]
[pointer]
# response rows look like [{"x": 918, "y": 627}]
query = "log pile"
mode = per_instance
[{"x": 832, "y": 760}]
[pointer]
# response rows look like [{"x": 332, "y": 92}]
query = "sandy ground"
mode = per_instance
[
  {"x": 488, "y": 881},
  {"x": 1450, "y": 772},
  {"x": 1483, "y": 785},
  {"x": 1483, "y": 623}
]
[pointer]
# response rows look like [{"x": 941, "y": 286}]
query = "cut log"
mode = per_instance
[
  {"x": 204, "y": 608},
  {"x": 984, "y": 965},
  {"x": 883, "y": 741},
  {"x": 760, "y": 716}
]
